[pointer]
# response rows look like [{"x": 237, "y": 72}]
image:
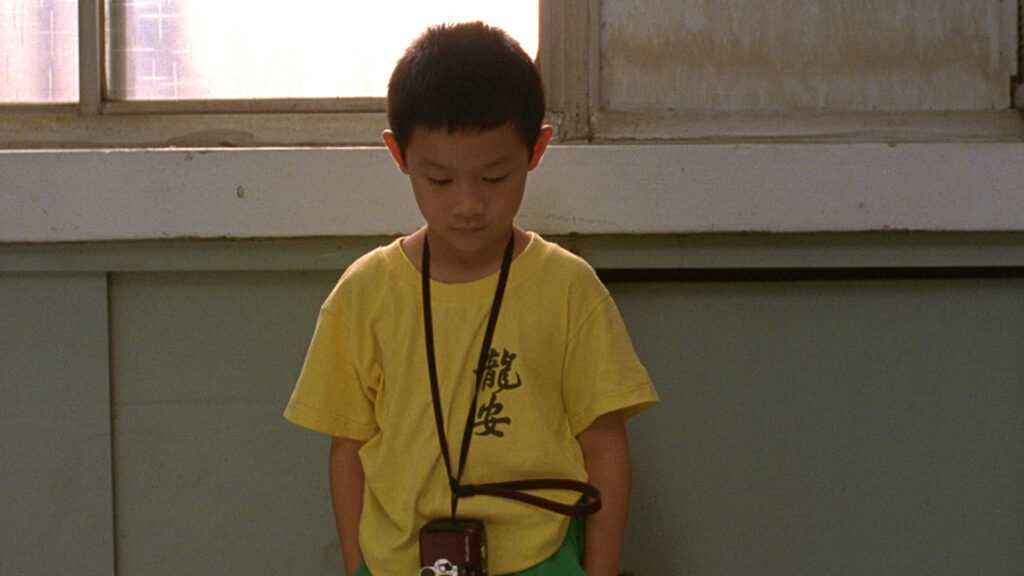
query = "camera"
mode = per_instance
[{"x": 453, "y": 548}]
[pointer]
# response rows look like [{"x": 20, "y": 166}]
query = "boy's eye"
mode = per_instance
[
  {"x": 439, "y": 181},
  {"x": 496, "y": 179}
]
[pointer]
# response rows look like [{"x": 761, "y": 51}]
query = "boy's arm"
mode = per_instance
[
  {"x": 606, "y": 454},
  {"x": 346, "y": 477}
]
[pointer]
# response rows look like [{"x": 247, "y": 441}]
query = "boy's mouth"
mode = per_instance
[{"x": 469, "y": 229}]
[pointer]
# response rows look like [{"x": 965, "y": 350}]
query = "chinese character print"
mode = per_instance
[{"x": 499, "y": 377}]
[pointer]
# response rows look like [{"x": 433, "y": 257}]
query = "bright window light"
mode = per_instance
[
  {"x": 213, "y": 49},
  {"x": 38, "y": 51}
]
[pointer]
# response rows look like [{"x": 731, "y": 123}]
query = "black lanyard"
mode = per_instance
[
  {"x": 514, "y": 490},
  {"x": 428, "y": 325}
]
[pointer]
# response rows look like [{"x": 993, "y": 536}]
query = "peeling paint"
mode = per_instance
[
  {"x": 232, "y": 138},
  {"x": 574, "y": 220}
]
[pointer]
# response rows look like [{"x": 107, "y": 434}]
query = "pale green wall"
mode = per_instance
[
  {"x": 842, "y": 426},
  {"x": 55, "y": 479},
  {"x": 863, "y": 427}
]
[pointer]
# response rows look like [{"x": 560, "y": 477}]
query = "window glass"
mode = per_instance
[
  {"x": 38, "y": 51},
  {"x": 198, "y": 49}
]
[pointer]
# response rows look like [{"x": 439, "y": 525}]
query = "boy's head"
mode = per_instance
[
  {"x": 465, "y": 77},
  {"x": 466, "y": 108}
]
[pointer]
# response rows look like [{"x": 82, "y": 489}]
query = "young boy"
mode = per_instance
[{"x": 559, "y": 379}]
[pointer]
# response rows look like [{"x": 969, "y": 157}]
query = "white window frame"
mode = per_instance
[
  {"x": 582, "y": 83},
  {"x": 98, "y": 122}
]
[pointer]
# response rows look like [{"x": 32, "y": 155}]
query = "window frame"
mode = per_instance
[
  {"x": 570, "y": 61},
  {"x": 785, "y": 127},
  {"x": 96, "y": 121}
]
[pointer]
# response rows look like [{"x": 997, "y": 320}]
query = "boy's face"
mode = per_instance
[{"x": 468, "y": 184}]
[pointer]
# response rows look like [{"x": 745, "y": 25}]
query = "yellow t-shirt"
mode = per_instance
[{"x": 560, "y": 358}]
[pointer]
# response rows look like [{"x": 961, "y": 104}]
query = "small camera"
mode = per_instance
[{"x": 453, "y": 548}]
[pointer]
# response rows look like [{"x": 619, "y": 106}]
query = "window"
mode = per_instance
[
  {"x": 38, "y": 51},
  {"x": 156, "y": 73},
  {"x": 200, "y": 73},
  {"x": 239, "y": 49},
  {"x": 229, "y": 49}
]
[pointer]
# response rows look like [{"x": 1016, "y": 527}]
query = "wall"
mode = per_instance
[
  {"x": 613, "y": 189},
  {"x": 834, "y": 403},
  {"x": 822, "y": 267}
]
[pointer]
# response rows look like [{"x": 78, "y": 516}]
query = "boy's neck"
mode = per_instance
[{"x": 453, "y": 267}]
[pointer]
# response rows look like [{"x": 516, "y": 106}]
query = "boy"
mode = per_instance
[{"x": 558, "y": 381}]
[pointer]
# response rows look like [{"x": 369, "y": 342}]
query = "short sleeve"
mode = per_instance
[
  {"x": 602, "y": 373},
  {"x": 333, "y": 394}
]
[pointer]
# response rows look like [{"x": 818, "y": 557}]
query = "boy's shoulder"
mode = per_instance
[
  {"x": 367, "y": 275},
  {"x": 559, "y": 267},
  {"x": 557, "y": 258}
]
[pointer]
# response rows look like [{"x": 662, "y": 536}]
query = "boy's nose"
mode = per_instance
[{"x": 469, "y": 201}]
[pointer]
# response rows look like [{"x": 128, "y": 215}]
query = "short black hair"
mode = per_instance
[{"x": 465, "y": 76}]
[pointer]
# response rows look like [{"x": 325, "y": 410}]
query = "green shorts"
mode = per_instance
[{"x": 565, "y": 562}]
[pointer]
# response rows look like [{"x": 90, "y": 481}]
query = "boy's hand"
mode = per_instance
[
  {"x": 346, "y": 475},
  {"x": 606, "y": 454}
]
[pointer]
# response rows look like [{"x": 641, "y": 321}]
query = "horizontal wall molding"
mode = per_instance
[
  {"x": 74, "y": 196},
  {"x": 691, "y": 254},
  {"x": 803, "y": 127}
]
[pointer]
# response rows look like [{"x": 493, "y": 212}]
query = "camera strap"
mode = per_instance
[{"x": 590, "y": 500}]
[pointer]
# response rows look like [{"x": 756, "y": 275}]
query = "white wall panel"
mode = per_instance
[{"x": 642, "y": 189}]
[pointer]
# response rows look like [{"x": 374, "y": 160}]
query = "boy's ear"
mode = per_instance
[
  {"x": 396, "y": 152},
  {"x": 543, "y": 139}
]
